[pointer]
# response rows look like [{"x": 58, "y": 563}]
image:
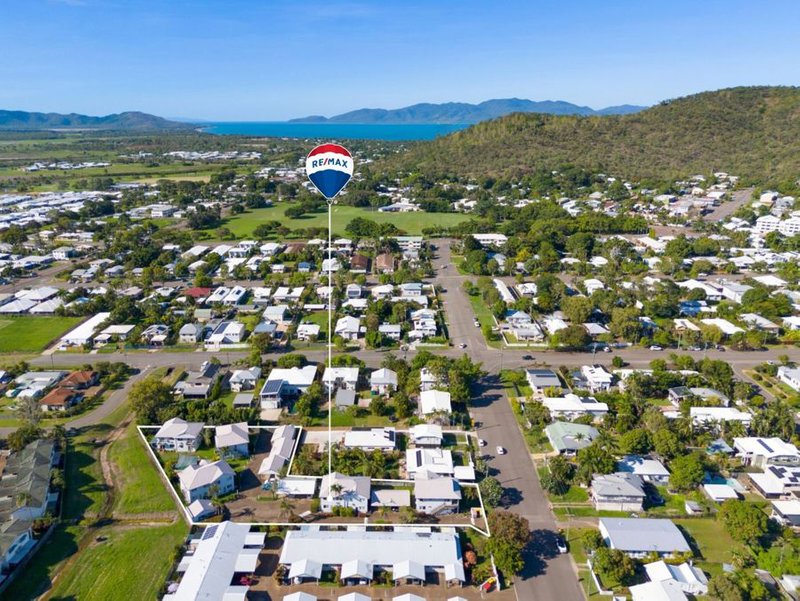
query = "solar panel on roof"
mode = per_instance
[
  {"x": 764, "y": 444},
  {"x": 209, "y": 532},
  {"x": 273, "y": 386}
]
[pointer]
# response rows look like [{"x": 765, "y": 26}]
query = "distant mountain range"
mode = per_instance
[
  {"x": 462, "y": 112},
  {"x": 127, "y": 121}
]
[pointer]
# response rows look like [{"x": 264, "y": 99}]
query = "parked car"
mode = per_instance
[
  {"x": 481, "y": 442},
  {"x": 655, "y": 347},
  {"x": 500, "y": 450},
  {"x": 477, "y": 323},
  {"x": 561, "y": 544},
  {"x": 462, "y": 345}
]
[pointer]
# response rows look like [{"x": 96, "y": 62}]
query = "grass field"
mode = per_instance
[
  {"x": 140, "y": 489},
  {"x": 32, "y": 334},
  {"x": 140, "y": 558},
  {"x": 242, "y": 225}
]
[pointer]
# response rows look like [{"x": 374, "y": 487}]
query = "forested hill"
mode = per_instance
[
  {"x": 127, "y": 121},
  {"x": 753, "y": 132}
]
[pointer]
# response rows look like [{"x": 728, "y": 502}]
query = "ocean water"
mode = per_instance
[{"x": 335, "y": 131}]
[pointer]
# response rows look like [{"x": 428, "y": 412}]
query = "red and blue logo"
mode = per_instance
[{"x": 329, "y": 167}]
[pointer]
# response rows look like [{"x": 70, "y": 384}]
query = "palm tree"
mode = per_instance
[
  {"x": 287, "y": 509},
  {"x": 217, "y": 503},
  {"x": 336, "y": 489}
]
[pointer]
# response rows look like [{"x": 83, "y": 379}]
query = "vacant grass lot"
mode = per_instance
[
  {"x": 140, "y": 490},
  {"x": 130, "y": 564},
  {"x": 242, "y": 225},
  {"x": 32, "y": 334}
]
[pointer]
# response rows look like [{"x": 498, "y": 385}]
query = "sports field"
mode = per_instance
[
  {"x": 32, "y": 334},
  {"x": 242, "y": 225}
]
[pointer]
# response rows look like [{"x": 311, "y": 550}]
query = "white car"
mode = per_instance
[
  {"x": 481, "y": 442},
  {"x": 655, "y": 347},
  {"x": 462, "y": 345},
  {"x": 500, "y": 450},
  {"x": 477, "y": 323}
]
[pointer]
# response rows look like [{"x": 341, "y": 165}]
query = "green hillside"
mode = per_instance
[
  {"x": 753, "y": 132},
  {"x": 128, "y": 121}
]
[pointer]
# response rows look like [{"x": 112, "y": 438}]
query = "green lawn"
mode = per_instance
[
  {"x": 141, "y": 489},
  {"x": 32, "y": 334},
  {"x": 713, "y": 542},
  {"x": 140, "y": 558},
  {"x": 85, "y": 491},
  {"x": 242, "y": 225}
]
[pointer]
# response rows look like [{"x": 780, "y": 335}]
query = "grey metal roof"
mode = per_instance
[{"x": 644, "y": 535}]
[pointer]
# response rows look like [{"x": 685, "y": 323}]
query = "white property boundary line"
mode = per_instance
[{"x": 188, "y": 517}]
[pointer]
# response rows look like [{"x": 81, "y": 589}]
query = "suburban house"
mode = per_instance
[
  {"x": 571, "y": 406},
  {"x": 307, "y": 332},
  {"x": 60, "y": 399},
  {"x": 618, "y": 492},
  {"x": 199, "y": 383},
  {"x": 232, "y": 440},
  {"x": 281, "y": 447},
  {"x": 649, "y": 470},
  {"x": 427, "y": 435},
  {"x": 432, "y": 401},
  {"x": 596, "y": 378},
  {"x": 787, "y": 512},
  {"x": 423, "y": 459},
  {"x": 335, "y": 378},
  {"x": 777, "y": 481},
  {"x": 384, "y": 439},
  {"x": 436, "y": 495},
  {"x": 191, "y": 333},
  {"x": 384, "y": 263},
  {"x": 568, "y": 438},
  {"x": 283, "y": 384},
  {"x": 244, "y": 379},
  {"x": 338, "y": 490},
  {"x": 178, "y": 435},
  {"x": 688, "y": 578},
  {"x": 790, "y": 376},
  {"x": 383, "y": 381},
  {"x": 761, "y": 452},
  {"x": 227, "y": 332},
  {"x": 348, "y": 327},
  {"x": 206, "y": 479},
  {"x": 541, "y": 380},
  {"x": 639, "y": 537}
]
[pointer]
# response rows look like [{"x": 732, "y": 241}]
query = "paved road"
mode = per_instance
[
  {"x": 725, "y": 209},
  {"x": 547, "y": 574}
]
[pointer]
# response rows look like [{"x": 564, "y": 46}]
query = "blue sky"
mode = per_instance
[{"x": 269, "y": 59}]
